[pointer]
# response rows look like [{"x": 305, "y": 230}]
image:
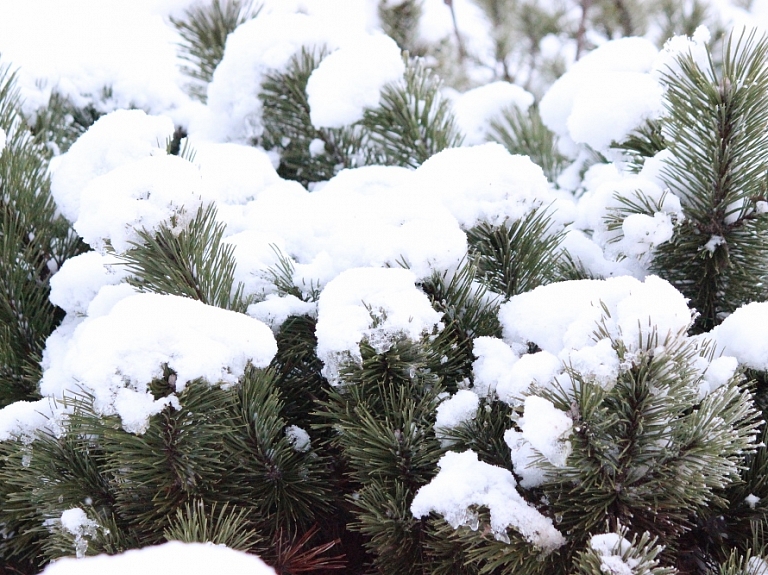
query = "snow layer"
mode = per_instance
[
  {"x": 461, "y": 407},
  {"x": 463, "y": 482},
  {"x": 350, "y": 80},
  {"x": 744, "y": 335},
  {"x": 476, "y": 109},
  {"x": 605, "y": 95},
  {"x": 171, "y": 557},
  {"x": 116, "y": 139},
  {"x": 610, "y": 547},
  {"x": 376, "y": 305},
  {"x": 116, "y": 355}
]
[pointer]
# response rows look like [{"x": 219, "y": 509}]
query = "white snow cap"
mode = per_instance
[
  {"x": 605, "y": 95},
  {"x": 350, "y": 80},
  {"x": 145, "y": 194},
  {"x": 610, "y": 547},
  {"x": 544, "y": 432},
  {"x": 461, "y": 407},
  {"x": 256, "y": 48},
  {"x": 379, "y": 305},
  {"x": 563, "y": 316},
  {"x": 116, "y": 355},
  {"x": 114, "y": 140},
  {"x": 744, "y": 335},
  {"x": 475, "y": 109},
  {"x": 171, "y": 557},
  {"x": 80, "y": 278},
  {"x": 463, "y": 482}
]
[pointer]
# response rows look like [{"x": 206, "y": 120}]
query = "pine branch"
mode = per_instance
[
  {"x": 413, "y": 121},
  {"x": 719, "y": 255},
  {"x": 204, "y": 29},
  {"x": 524, "y": 133},
  {"x": 193, "y": 262}
]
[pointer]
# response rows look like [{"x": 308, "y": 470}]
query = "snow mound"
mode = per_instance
[
  {"x": 475, "y": 109},
  {"x": 376, "y": 305},
  {"x": 174, "y": 556},
  {"x": 605, "y": 95},
  {"x": 116, "y": 139},
  {"x": 744, "y": 335},
  {"x": 116, "y": 355},
  {"x": 142, "y": 195},
  {"x": 350, "y": 80},
  {"x": 463, "y": 482}
]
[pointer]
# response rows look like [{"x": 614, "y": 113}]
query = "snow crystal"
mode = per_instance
[
  {"x": 350, "y": 79},
  {"x": 116, "y": 139},
  {"x": 752, "y": 500},
  {"x": 461, "y": 407},
  {"x": 610, "y": 547},
  {"x": 186, "y": 558},
  {"x": 145, "y": 194},
  {"x": 544, "y": 432},
  {"x": 744, "y": 335},
  {"x": 299, "y": 438},
  {"x": 81, "y": 277},
  {"x": 141, "y": 333},
  {"x": 475, "y": 109},
  {"x": 378, "y": 305},
  {"x": 605, "y": 95},
  {"x": 463, "y": 482},
  {"x": 75, "y": 522}
]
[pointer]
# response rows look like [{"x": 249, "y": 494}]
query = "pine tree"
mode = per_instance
[{"x": 659, "y": 478}]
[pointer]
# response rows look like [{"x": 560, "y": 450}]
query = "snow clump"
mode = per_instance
[
  {"x": 350, "y": 80},
  {"x": 187, "y": 558},
  {"x": 375, "y": 305},
  {"x": 464, "y": 482}
]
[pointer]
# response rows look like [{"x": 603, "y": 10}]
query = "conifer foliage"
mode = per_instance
[{"x": 653, "y": 463}]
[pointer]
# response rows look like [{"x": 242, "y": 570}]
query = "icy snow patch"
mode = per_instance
[
  {"x": 350, "y": 80},
  {"x": 116, "y": 139},
  {"x": 463, "y": 482},
  {"x": 75, "y": 522},
  {"x": 81, "y": 277},
  {"x": 298, "y": 438},
  {"x": 610, "y": 547},
  {"x": 186, "y": 558},
  {"x": 378, "y": 305}
]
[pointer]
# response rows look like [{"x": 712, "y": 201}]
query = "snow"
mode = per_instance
[
  {"x": 298, "y": 438},
  {"x": 23, "y": 419},
  {"x": 744, "y": 335},
  {"x": 463, "y": 482},
  {"x": 475, "y": 109},
  {"x": 611, "y": 547},
  {"x": 259, "y": 47},
  {"x": 605, "y": 95},
  {"x": 2, "y": 141},
  {"x": 174, "y": 556},
  {"x": 80, "y": 278},
  {"x": 375, "y": 305},
  {"x": 116, "y": 139},
  {"x": 459, "y": 408},
  {"x": 92, "y": 44},
  {"x": 75, "y": 522},
  {"x": 544, "y": 432},
  {"x": 142, "y": 195},
  {"x": 115, "y": 355},
  {"x": 350, "y": 80}
]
